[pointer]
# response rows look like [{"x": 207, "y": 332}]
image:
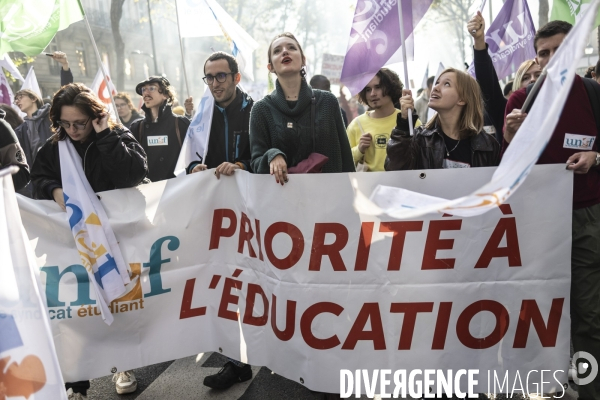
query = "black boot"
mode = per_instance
[{"x": 228, "y": 375}]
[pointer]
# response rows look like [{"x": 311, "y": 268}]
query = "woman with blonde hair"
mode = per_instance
[
  {"x": 453, "y": 138},
  {"x": 529, "y": 71}
]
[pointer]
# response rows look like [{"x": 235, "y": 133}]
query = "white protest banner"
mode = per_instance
[
  {"x": 28, "y": 363},
  {"x": 331, "y": 67},
  {"x": 312, "y": 287}
]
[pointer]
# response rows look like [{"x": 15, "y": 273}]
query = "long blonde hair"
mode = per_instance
[
  {"x": 471, "y": 117},
  {"x": 523, "y": 68}
]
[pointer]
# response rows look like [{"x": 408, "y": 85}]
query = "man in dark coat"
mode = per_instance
[
  {"x": 229, "y": 142},
  {"x": 161, "y": 132}
]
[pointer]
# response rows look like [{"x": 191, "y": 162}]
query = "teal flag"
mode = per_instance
[
  {"x": 570, "y": 11},
  {"x": 29, "y": 25}
]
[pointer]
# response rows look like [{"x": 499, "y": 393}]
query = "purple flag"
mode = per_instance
[
  {"x": 5, "y": 92},
  {"x": 510, "y": 38},
  {"x": 375, "y": 38}
]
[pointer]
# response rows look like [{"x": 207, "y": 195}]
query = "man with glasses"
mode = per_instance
[
  {"x": 228, "y": 150},
  {"x": 229, "y": 142},
  {"x": 161, "y": 132}
]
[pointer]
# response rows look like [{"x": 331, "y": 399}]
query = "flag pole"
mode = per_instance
[
  {"x": 534, "y": 91},
  {"x": 89, "y": 29},
  {"x": 405, "y": 62},
  {"x": 187, "y": 86}
]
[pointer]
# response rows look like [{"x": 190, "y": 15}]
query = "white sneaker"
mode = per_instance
[
  {"x": 75, "y": 396},
  {"x": 125, "y": 382}
]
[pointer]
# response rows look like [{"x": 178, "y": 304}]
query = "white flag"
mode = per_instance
[
  {"x": 28, "y": 364},
  {"x": 518, "y": 160},
  {"x": 425, "y": 77},
  {"x": 101, "y": 89},
  {"x": 31, "y": 82},
  {"x": 195, "y": 144},
  {"x": 431, "y": 111},
  {"x": 7, "y": 64},
  {"x": 94, "y": 238},
  {"x": 208, "y": 18}
]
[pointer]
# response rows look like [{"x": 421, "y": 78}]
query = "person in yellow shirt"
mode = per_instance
[{"x": 369, "y": 133}]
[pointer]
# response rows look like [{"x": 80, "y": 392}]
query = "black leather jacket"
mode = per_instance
[{"x": 425, "y": 150}]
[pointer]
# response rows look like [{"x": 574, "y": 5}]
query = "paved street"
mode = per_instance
[{"x": 182, "y": 380}]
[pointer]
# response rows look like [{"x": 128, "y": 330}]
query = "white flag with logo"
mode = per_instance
[
  {"x": 102, "y": 89},
  {"x": 28, "y": 364},
  {"x": 31, "y": 82},
  {"x": 525, "y": 149},
  {"x": 94, "y": 238},
  {"x": 195, "y": 145}
]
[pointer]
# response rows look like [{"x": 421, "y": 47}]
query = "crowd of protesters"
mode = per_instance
[{"x": 304, "y": 128}]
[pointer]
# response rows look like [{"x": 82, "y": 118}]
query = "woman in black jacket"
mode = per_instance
[
  {"x": 111, "y": 157},
  {"x": 454, "y": 138}
]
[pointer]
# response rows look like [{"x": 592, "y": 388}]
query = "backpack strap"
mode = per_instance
[
  {"x": 177, "y": 131},
  {"x": 141, "y": 131},
  {"x": 593, "y": 90},
  {"x": 313, "y": 101}
]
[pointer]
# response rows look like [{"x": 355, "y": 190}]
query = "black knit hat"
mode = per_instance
[{"x": 152, "y": 79}]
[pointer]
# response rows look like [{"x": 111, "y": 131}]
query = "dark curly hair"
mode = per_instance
[
  {"x": 81, "y": 97},
  {"x": 290, "y": 36},
  {"x": 391, "y": 84}
]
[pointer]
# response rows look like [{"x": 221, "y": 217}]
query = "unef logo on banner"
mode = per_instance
[{"x": 132, "y": 300}]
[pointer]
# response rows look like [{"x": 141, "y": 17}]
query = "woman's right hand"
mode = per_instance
[
  {"x": 59, "y": 198},
  {"x": 278, "y": 168},
  {"x": 406, "y": 102}
]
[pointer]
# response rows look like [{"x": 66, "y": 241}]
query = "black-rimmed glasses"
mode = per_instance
[
  {"x": 17, "y": 98},
  {"x": 220, "y": 77},
  {"x": 77, "y": 126}
]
